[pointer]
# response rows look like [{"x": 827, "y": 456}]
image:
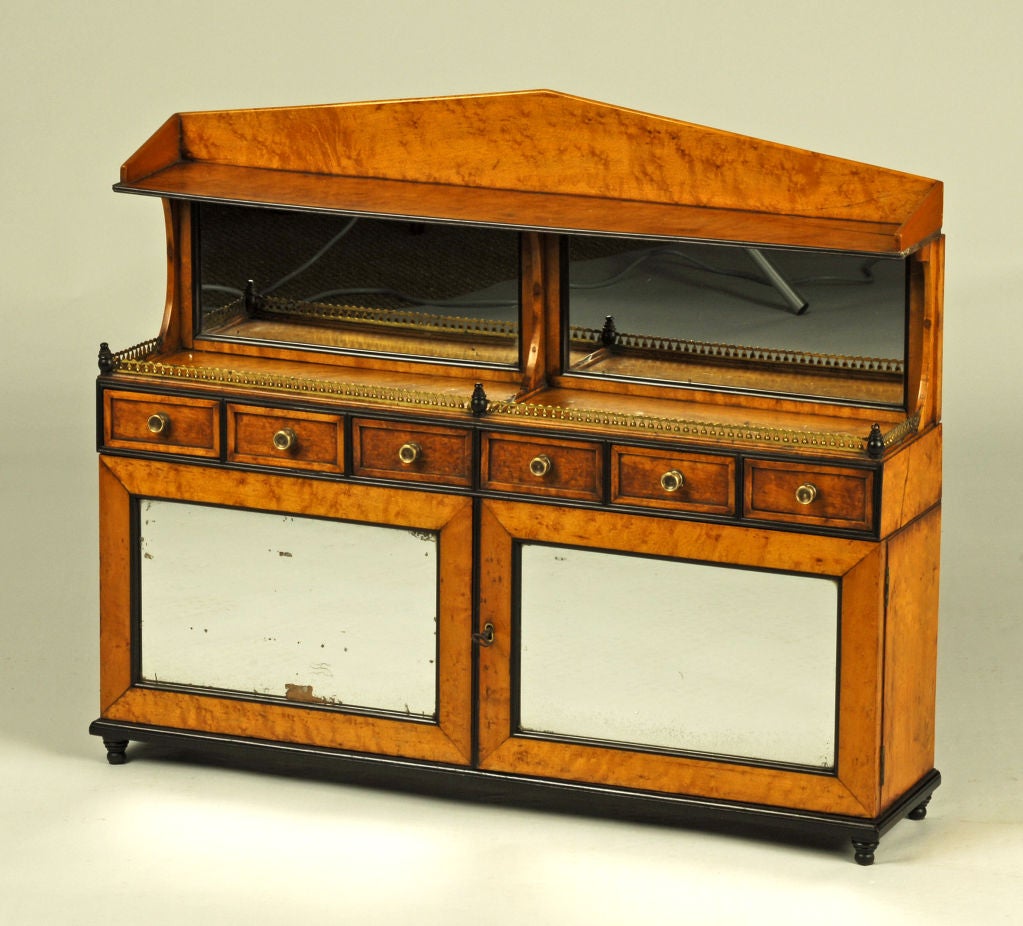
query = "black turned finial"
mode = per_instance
[
  {"x": 251, "y": 299},
  {"x": 478, "y": 402},
  {"x": 106, "y": 358},
  {"x": 608, "y": 334},
  {"x": 875, "y": 442}
]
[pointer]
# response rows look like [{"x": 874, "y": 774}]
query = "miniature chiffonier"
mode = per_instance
[{"x": 525, "y": 446}]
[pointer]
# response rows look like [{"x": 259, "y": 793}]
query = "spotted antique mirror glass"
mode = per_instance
[
  {"x": 284, "y": 608},
  {"x": 358, "y": 285},
  {"x": 720, "y": 661},
  {"x": 814, "y": 324}
]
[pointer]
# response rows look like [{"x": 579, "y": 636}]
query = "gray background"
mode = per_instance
[{"x": 930, "y": 88}]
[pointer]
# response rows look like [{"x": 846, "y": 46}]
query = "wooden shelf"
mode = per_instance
[{"x": 466, "y": 159}]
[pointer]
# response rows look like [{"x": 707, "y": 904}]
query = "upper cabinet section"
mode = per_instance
[
  {"x": 539, "y": 255},
  {"x": 536, "y": 160}
]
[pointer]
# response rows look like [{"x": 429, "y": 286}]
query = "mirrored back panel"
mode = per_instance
[
  {"x": 358, "y": 285},
  {"x": 813, "y": 324}
]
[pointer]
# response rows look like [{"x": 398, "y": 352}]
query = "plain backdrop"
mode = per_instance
[{"x": 932, "y": 88}]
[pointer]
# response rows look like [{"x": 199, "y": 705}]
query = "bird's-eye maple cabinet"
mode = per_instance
[{"x": 523, "y": 445}]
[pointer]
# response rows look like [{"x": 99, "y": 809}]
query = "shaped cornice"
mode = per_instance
[{"x": 546, "y": 160}]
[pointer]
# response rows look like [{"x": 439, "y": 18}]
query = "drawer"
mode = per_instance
[
  {"x": 828, "y": 496},
  {"x": 418, "y": 453},
  {"x": 682, "y": 481},
  {"x": 278, "y": 437},
  {"x": 537, "y": 466},
  {"x": 169, "y": 424}
]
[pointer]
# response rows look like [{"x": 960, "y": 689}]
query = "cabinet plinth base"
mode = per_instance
[{"x": 474, "y": 784}]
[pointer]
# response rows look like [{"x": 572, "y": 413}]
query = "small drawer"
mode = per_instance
[
  {"x": 828, "y": 496},
  {"x": 278, "y": 437},
  {"x": 418, "y": 453},
  {"x": 537, "y": 466},
  {"x": 169, "y": 424},
  {"x": 697, "y": 482}
]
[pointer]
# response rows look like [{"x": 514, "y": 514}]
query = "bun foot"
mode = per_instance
[
  {"x": 920, "y": 811},
  {"x": 116, "y": 751},
  {"x": 864, "y": 852}
]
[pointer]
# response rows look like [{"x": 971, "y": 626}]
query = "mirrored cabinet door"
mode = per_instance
[
  {"x": 681, "y": 657},
  {"x": 334, "y": 615}
]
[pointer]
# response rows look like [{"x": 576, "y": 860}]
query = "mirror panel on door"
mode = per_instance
[
  {"x": 286, "y": 608},
  {"x": 672, "y": 655}
]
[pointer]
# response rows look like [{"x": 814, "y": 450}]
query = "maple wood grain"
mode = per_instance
[{"x": 515, "y": 148}]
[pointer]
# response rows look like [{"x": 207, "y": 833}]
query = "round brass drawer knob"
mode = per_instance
[
  {"x": 672, "y": 480},
  {"x": 409, "y": 453},
  {"x": 285, "y": 439},
  {"x": 806, "y": 493},
  {"x": 540, "y": 465},
  {"x": 158, "y": 423}
]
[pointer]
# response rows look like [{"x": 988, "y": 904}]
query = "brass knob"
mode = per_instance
[
  {"x": 540, "y": 465},
  {"x": 285, "y": 439},
  {"x": 672, "y": 480},
  {"x": 409, "y": 453},
  {"x": 158, "y": 423},
  {"x": 806, "y": 493}
]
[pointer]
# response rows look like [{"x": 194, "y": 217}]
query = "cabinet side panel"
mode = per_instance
[
  {"x": 114, "y": 587},
  {"x": 911, "y": 482},
  {"x": 929, "y": 396},
  {"x": 911, "y": 644}
]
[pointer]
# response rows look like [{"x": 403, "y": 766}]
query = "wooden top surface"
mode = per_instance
[{"x": 536, "y": 159}]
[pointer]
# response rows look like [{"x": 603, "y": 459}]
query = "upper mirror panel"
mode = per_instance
[
  {"x": 811, "y": 324},
  {"x": 358, "y": 285}
]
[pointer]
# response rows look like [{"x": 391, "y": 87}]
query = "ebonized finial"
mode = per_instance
[
  {"x": 478, "y": 402},
  {"x": 250, "y": 298},
  {"x": 106, "y": 358},
  {"x": 875, "y": 442},
  {"x": 608, "y": 334}
]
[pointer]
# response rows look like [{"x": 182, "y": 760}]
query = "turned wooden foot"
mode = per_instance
[
  {"x": 116, "y": 751},
  {"x": 920, "y": 811},
  {"x": 864, "y": 852}
]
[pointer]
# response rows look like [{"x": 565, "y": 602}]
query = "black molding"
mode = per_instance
[{"x": 448, "y": 781}]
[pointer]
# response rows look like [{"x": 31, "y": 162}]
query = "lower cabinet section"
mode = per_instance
[{"x": 700, "y": 670}]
